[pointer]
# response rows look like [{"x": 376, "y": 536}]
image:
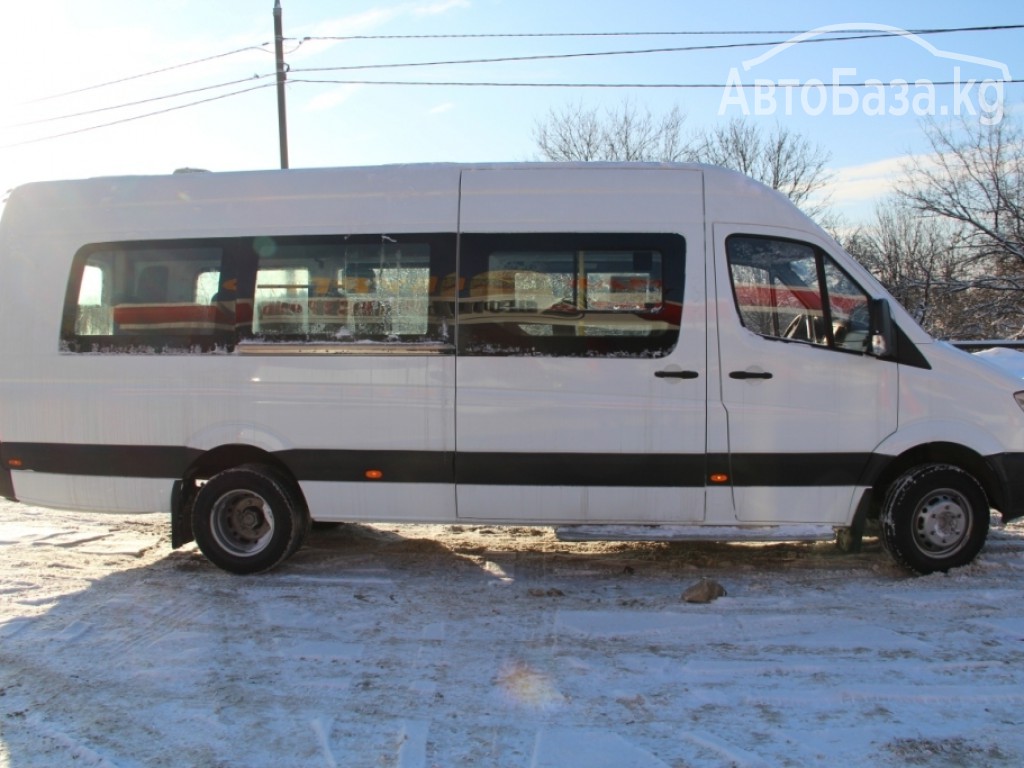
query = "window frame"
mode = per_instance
[
  {"x": 476, "y": 250},
  {"x": 440, "y": 263},
  {"x": 239, "y": 263},
  {"x": 823, "y": 293},
  {"x": 218, "y": 339}
]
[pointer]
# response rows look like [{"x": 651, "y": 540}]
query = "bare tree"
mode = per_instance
[
  {"x": 974, "y": 177},
  {"x": 627, "y": 133},
  {"x": 918, "y": 258},
  {"x": 571, "y": 134},
  {"x": 926, "y": 262},
  {"x": 780, "y": 158}
]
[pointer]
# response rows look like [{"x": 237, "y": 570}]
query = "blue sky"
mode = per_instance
[{"x": 55, "y": 46}]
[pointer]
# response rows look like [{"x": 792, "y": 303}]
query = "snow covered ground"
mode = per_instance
[{"x": 447, "y": 646}]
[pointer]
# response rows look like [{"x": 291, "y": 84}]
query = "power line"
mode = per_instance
[
  {"x": 135, "y": 117},
  {"x": 526, "y": 35},
  {"x": 681, "y": 86},
  {"x": 593, "y": 54},
  {"x": 490, "y": 35},
  {"x": 140, "y": 102},
  {"x": 414, "y": 83},
  {"x": 139, "y": 76},
  {"x": 492, "y": 84}
]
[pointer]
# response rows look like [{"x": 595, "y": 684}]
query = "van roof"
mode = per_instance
[
  {"x": 402, "y": 179},
  {"x": 203, "y": 176}
]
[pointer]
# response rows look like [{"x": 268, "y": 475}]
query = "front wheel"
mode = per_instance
[
  {"x": 248, "y": 519},
  {"x": 935, "y": 517}
]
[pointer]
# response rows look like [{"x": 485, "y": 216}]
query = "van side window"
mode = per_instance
[
  {"x": 790, "y": 290},
  {"x": 145, "y": 297},
  {"x": 600, "y": 295},
  {"x": 93, "y": 316},
  {"x": 205, "y": 295},
  {"x": 367, "y": 288}
]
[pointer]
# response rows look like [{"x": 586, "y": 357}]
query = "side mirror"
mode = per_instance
[{"x": 883, "y": 332}]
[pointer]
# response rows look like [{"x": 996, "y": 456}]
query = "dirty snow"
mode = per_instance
[{"x": 447, "y": 646}]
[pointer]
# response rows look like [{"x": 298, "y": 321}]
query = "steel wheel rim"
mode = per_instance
[
  {"x": 942, "y": 522},
  {"x": 242, "y": 523}
]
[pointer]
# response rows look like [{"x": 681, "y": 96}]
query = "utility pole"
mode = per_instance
[{"x": 282, "y": 120}]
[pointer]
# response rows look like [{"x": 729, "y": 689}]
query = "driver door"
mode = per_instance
[{"x": 806, "y": 402}]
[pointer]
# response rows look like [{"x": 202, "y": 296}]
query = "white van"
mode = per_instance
[{"x": 619, "y": 351}]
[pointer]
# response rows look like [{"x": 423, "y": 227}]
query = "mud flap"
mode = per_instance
[
  {"x": 849, "y": 539},
  {"x": 7, "y": 484},
  {"x": 181, "y": 517}
]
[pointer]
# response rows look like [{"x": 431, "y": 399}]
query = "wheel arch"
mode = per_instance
[
  {"x": 938, "y": 452},
  {"x": 206, "y": 466}
]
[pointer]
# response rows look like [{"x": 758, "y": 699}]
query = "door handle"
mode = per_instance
[
  {"x": 676, "y": 374},
  {"x": 750, "y": 375}
]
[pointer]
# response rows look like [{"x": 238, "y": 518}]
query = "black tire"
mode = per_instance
[
  {"x": 935, "y": 517},
  {"x": 248, "y": 519}
]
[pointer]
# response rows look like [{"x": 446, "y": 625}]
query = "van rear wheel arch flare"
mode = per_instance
[{"x": 228, "y": 456}]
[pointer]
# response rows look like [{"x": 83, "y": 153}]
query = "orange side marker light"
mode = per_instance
[
  {"x": 373, "y": 474},
  {"x": 719, "y": 477}
]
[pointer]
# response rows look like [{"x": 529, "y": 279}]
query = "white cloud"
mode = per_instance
[
  {"x": 370, "y": 21},
  {"x": 434, "y": 9},
  {"x": 333, "y": 97},
  {"x": 867, "y": 182},
  {"x": 365, "y": 23},
  {"x": 356, "y": 23},
  {"x": 855, "y": 190},
  {"x": 441, "y": 108},
  {"x": 873, "y": 181}
]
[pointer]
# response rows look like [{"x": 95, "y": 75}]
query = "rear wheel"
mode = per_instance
[
  {"x": 935, "y": 517},
  {"x": 248, "y": 519}
]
